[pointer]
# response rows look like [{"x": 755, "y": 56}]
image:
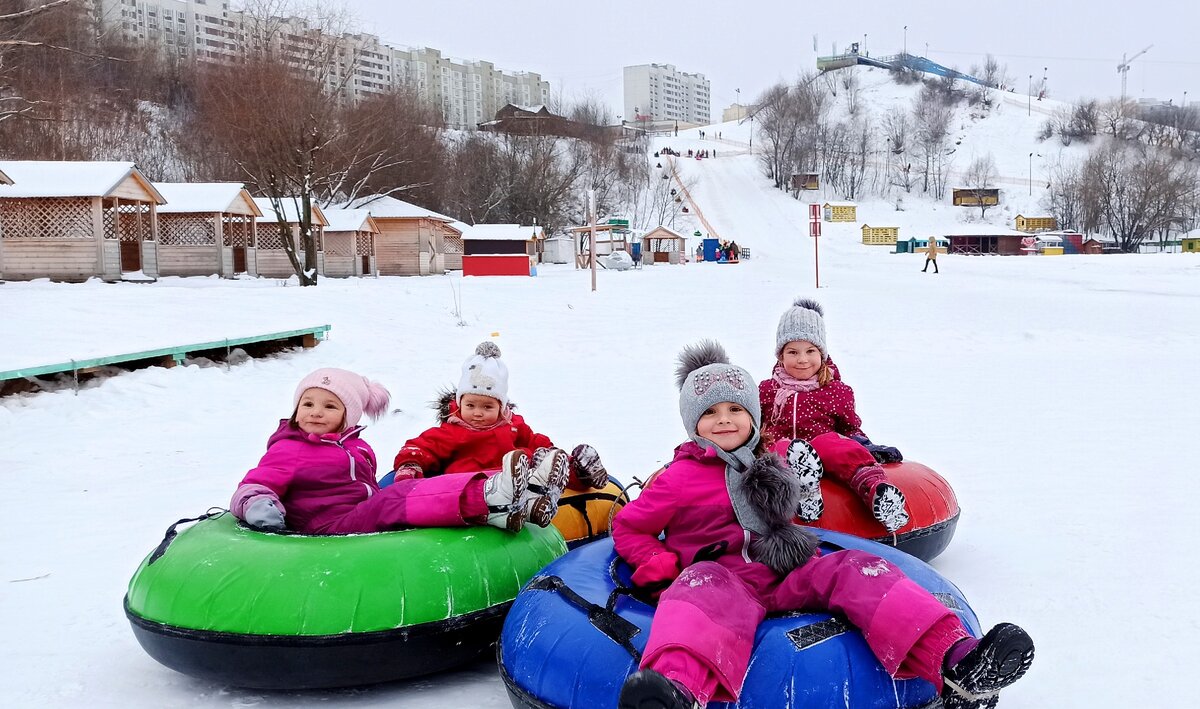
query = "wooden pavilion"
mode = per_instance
[
  {"x": 350, "y": 243},
  {"x": 411, "y": 240},
  {"x": 611, "y": 236},
  {"x": 206, "y": 228},
  {"x": 663, "y": 245},
  {"x": 270, "y": 258},
  {"x": 71, "y": 221}
]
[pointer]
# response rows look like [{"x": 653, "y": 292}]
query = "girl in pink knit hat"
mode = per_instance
[{"x": 318, "y": 476}]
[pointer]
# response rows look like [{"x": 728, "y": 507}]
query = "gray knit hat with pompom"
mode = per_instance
[
  {"x": 706, "y": 378},
  {"x": 803, "y": 321},
  {"x": 483, "y": 373}
]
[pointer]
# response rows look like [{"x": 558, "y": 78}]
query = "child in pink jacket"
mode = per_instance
[
  {"x": 318, "y": 476},
  {"x": 806, "y": 400},
  {"x": 731, "y": 554}
]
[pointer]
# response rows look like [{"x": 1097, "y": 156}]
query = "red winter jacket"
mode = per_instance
[
  {"x": 456, "y": 448},
  {"x": 808, "y": 414}
]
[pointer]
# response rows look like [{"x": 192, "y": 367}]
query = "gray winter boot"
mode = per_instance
[
  {"x": 546, "y": 483},
  {"x": 805, "y": 462},
  {"x": 504, "y": 492}
]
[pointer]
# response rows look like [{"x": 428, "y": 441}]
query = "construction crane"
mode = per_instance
[{"x": 1123, "y": 68}]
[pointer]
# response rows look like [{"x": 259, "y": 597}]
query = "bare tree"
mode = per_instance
[
  {"x": 896, "y": 128},
  {"x": 931, "y": 123}
]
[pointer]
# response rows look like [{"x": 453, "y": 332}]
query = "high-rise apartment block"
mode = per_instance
[
  {"x": 660, "y": 92},
  {"x": 467, "y": 92}
]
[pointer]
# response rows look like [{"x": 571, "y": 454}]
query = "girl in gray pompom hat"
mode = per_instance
[
  {"x": 805, "y": 399},
  {"x": 732, "y": 552}
]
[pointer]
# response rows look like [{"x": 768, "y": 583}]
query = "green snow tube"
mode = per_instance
[{"x": 222, "y": 602}]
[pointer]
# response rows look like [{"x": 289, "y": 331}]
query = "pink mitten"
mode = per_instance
[{"x": 660, "y": 569}]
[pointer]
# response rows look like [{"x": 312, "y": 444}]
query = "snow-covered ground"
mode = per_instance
[{"x": 1057, "y": 394}]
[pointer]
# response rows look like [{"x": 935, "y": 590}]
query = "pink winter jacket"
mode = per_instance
[
  {"x": 314, "y": 479},
  {"x": 690, "y": 502},
  {"x": 808, "y": 414}
]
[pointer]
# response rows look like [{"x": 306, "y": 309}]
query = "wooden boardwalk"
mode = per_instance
[{"x": 167, "y": 356}]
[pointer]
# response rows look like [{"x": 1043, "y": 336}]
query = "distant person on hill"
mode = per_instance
[
  {"x": 806, "y": 400},
  {"x": 931, "y": 255}
]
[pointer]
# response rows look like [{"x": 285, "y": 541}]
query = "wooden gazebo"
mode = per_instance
[
  {"x": 350, "y": 243},
  {"x": 663, "y": 245},
  {"x": 206, "y": 228},
  {"x": 270, "y": 257},
  {"x": 611, "y": 236},
  {"x": 77, "y": 220},
  {"x": 411, "y": 240}
]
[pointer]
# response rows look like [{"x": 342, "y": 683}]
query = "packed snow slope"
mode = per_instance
[{"x": 1057, "y": 394}]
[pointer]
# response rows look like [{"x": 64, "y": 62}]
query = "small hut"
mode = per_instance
[
  {"x": 805, "y": 181},
  {"x": 77, "y": 220},
  {"x": 1035, "y": 224},
  {"x": 967, "y": 197},
  {"x": 412, "y": 240},
  {"x": 913, "y": 245},
  {"x": 205, "y": 229},
  {"x": 349, "y": 243},
  {"x": 270, "y": 256},
  {"x": 840, "y": 212},
  {"x": 880, "y": 235},
  {"x": 664, "y": 245},
  {"x": 499, "y": 250}
]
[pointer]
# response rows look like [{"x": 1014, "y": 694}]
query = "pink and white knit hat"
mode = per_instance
[{"x": 358, "y": 394}]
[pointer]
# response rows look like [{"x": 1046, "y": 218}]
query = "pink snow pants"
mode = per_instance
[
  {"x": 454, "y": 500},
  {"x": 703, "y": 630}
]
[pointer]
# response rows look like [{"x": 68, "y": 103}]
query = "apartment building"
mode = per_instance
[
  {"x": 660, "y": 92},
  {"x": 467, "y": 92}
]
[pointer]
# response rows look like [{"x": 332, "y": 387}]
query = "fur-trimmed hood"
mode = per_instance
[{"x": 764, "y": 499}]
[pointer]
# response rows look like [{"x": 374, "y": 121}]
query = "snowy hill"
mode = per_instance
[{"x": 1056, "y": 394}]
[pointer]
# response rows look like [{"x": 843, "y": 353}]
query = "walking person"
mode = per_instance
[{"x": 931, "y": 254}]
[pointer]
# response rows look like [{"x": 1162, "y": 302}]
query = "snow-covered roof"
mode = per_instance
[
  {"x": 388, "y": 207},
  {"x": 531, "y": 109},
  {"x": 501, "y": 232},
  {"x": 191, "y": 197},
  {"x": 290, "y": 211},
  {"x": 839, "y": 204},
  {"x": 69, "y": 178},
  {"x": 349, "y": 220},
  {"x": 661, "y": 228},
  {"x": 980, "y": 230},
  {"x": 4, "y": 179}
]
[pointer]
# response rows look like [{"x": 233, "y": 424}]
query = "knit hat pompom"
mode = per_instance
[
  {"x": 699, "y": 355},
  {"x": 485, "y": 374},
  {"x": 705, "y": 378},
  {"x": 803, "y": 322},
  {"x": 357, "y": 393},
  {"x": 488, "y": 349}
]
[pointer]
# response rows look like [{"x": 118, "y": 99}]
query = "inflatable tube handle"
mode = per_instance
[
  {"x": 607, "y": 621},
  {"x": 171, "y": 533}
]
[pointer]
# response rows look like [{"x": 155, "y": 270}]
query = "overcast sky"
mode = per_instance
[{"x": 581, "y": 47}]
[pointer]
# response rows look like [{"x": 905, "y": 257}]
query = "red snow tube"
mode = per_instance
[{"x": 932, "y": 508}]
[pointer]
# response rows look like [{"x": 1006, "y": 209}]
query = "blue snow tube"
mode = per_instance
[{"x": 575, "y": 633}]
